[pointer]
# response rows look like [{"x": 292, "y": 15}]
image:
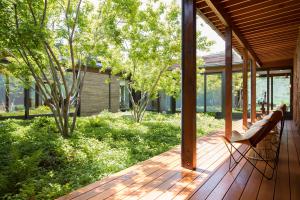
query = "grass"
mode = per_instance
[{"x": 37, "y": 163}]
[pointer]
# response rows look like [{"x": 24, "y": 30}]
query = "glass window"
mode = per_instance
[
  {"x": 214, "y": 93},
  {"x": 281, "y": 91},
  {"x": 200, "y": 93}
]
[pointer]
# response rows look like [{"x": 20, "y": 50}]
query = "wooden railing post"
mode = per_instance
[
  {"x": 245, "y": 89},
  {"x": 253, "y": 90},
  {"x": 188, "y": 114},
  {"x": 228, "y": 81}
]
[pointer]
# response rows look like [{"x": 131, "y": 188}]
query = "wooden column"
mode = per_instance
[
  {"x": 188, "y": 114},
  {"x": 205, "y": 92},
  {"x": 245, "y": 89},
  {"x": 228, "y": 82},
  {"x": 272, "y": 93},
  {"x": 268, "y": 91},
  {"x": 253, "y": 91}
]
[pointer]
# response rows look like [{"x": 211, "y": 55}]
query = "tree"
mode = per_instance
[
  {"x": 47, "y": 41},
  {"x": 146, "y": 39}
]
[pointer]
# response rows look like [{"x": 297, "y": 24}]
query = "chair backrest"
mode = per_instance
[{"x": 263, "y": 131}]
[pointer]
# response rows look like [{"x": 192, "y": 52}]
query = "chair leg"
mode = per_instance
[
  {"x": 243, "y": 156},
  {"x": 231, "y": 167}
]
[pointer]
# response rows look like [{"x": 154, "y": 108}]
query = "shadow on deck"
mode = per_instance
[{"x": 162, "y": 177}]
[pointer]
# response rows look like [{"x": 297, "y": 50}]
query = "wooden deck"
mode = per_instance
[{"x": 161, "y": 177}]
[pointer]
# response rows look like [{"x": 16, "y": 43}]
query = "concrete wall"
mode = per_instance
[
  {"x": 296, "y": 84},
  {"x": 95, "y": 94}
]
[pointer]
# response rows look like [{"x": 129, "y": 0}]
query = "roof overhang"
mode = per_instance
[{"x": 267, "y": 29}]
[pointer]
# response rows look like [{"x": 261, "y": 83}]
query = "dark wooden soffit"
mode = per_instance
[{"x": 268, "y": 29}]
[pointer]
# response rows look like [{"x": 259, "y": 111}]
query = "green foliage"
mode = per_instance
[{"x": 38, "y": 163}]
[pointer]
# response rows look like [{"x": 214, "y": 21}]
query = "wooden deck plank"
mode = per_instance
[
  {"x": 145, "y": 183},
  {"x": 156, "y": 192},
  {"x": 252, "y": 188},
  {"x": 282, "y": 188},
  {"x": 208, "y": 186},
  {"x": 293, "y": 162},
  {"x": 225, "y": 183},
  {"x": 209, "y": 151},
  {"x": 205, "y": 171},
  {"x": 236, "y": 189}
]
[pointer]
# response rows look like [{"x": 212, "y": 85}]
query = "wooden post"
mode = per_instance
[
  {"x": 26, "y": 102},
  {"x": 272, "y": 93},
  {"x": 7, "y": 91},
  {"x": 188, "y": 114},
  {"x": 228, "y": 82},
  {"x": 245, "y": 89},
  {"x": 268, "y": 91},
  {"x": 253, "y": 91},
  {"x": 205, "y": 92}
]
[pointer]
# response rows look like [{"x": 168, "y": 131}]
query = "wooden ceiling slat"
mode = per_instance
[
  {"x": 270, "y": 33},
  {"x": 272, "y": 25},
  {"x": 288, "y": 16},
  {"x": 237, "y": 3},
  {"x": 275, "y": 39},
  {"x": 268, "y": 14},
  {"x": 268, "y": 27},
  {"x": 271, "y": 37},
  {"x": 272, "y": 48},
  {"x": 261, "y": 7},
  {"x": 226, "y": 20}
]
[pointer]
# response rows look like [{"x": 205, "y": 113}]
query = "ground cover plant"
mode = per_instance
[{"x": 36, "y": 162}]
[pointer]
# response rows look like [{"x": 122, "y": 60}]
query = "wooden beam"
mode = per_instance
[
  {"x": 188, "y": 114},
  {"x": 228, "y": 82},
  {"x": 226, "y": 20},
  {"x": 253, "y": 90},
  {"x": 245, "y": 89}
]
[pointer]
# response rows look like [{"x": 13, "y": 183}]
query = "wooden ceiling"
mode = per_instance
[{"x": 267, "y": 28}]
